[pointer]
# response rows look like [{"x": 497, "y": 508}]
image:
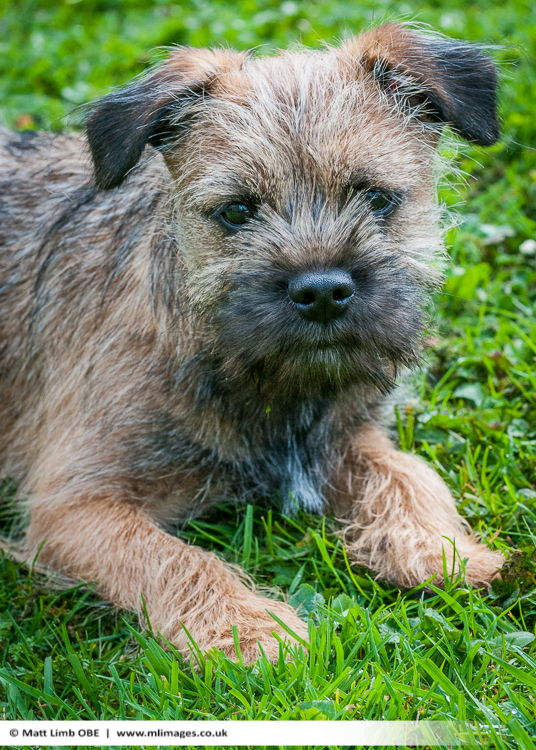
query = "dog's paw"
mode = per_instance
[
  {"x": 483, "y": 566},
  {"x": 260, "y": 633}
]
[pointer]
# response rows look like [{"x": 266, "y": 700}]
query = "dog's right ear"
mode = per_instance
[{"x": 152, "y": 110}]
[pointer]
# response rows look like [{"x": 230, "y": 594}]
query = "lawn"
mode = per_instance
[{"x": 376, "y": 652}]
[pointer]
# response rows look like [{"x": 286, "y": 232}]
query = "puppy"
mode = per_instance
[{"x": 217, "y": 308}]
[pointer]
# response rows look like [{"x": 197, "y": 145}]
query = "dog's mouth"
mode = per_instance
[
  {"x": 351, "y": 335},
  {"x": 336, "y": 365},
  {"x": 324, "y": 366}
]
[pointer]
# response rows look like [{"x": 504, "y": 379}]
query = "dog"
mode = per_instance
[{"x": 210, "y": 296}]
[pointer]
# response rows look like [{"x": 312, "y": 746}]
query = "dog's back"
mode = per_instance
[
  {"x": 29, "y": 164},
  {"x": 65, "y": 249}
]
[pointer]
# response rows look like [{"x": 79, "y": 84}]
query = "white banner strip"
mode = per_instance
[{"x": 233, "y": 733}]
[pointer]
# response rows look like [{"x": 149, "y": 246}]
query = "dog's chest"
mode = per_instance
[
  {"x": 281, "y": 463},
  {"x": 291, "y": 472}
]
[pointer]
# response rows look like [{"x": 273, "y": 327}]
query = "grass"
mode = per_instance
[{"x": 375, "y": 653}]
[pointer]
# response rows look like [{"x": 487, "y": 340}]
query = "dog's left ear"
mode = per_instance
[
  {"x": 153, "y": 110},
  {"x": 455, "y": 80}
]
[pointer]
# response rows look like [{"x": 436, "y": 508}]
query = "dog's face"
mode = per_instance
[{"x": 305, "y": 205}]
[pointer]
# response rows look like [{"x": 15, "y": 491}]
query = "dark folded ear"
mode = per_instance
[
  {"x": 152, "y": 110},
  {"x": 124, "y": 122},
  {"x": 457, "y": 81}
]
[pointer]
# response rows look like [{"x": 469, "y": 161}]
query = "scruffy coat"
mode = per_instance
[{"x": 151, "y": 361}]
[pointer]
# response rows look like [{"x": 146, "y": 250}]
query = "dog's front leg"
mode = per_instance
[
  {"x": 402, "y": 517},
  {"x": 117, "y": 545}
]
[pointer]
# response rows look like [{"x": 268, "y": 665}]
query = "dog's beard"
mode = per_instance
[
  {"x": 270, "y": 345},
  {"x": 322, "y": 371},
  {"x": 327, "y": 371}
]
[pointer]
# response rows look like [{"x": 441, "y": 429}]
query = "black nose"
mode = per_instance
[{"x": 321, "y": 296}]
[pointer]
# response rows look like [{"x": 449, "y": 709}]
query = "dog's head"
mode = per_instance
[{"x": 305, "y": 202}]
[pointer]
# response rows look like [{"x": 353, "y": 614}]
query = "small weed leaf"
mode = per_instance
[
  {"x": 519, "y": 639},
  {"x": 306, "y": 600},
  {"x": 326, "y": 709},
  {"x": 342, "y": 603},
  {"x": 388, "y": 633}
]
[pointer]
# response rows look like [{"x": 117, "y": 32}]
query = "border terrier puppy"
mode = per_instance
[{"x": 217, "y": 310}]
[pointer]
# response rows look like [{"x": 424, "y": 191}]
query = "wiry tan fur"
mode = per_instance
[
  {"x": 151, "y": 359},
  {"x": 405, "y": 524},
  {"x": 181, "y": 584}
]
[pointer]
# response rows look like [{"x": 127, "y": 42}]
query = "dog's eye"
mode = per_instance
[
  {"x": 381, "y": 203},
  {"x": 235, "y": 215}
]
